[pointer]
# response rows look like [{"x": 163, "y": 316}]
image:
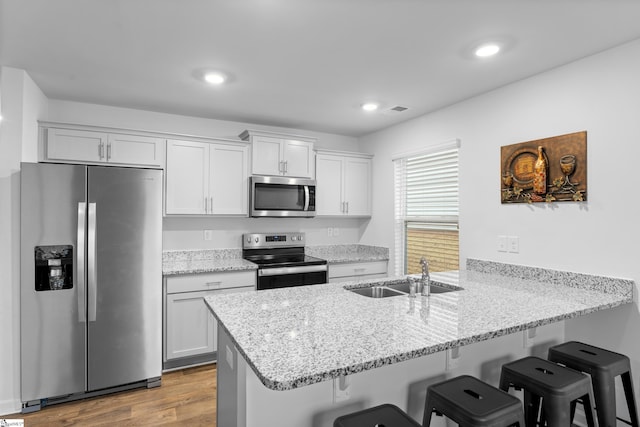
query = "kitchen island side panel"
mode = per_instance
[{"x": 244, "y": 401}]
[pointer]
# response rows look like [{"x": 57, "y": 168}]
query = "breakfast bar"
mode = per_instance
[{"x": 303, "y": 356}]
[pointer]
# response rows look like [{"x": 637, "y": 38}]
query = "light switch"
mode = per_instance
[
  {"x": 513, "y": 243},
  {"x": 208, "y": 234}
]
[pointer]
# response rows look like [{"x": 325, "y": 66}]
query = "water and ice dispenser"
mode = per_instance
[{"x": 54, "y": 267}]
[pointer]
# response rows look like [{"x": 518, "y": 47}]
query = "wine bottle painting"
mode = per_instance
[{"x": 545, "y": 170}]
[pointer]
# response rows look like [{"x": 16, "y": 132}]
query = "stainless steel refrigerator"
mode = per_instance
[{"x": 91, "y": 281}]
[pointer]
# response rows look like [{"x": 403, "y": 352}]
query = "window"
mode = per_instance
[{"x": 426, "y": 209}]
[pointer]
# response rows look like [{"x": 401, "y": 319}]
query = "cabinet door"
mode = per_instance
[
  {"x": 298, "y": 157},
  {"x": 134, "y": 150},
  {"x": 266, "y": 155},
  {"x": 76, "y": 145},
  {"x": 357, "y": 186},
  {"x": 329, "y": 177},
  {"x": 228, "y": 184},
  {"x": 190, "y": 325},
  {"x": 187, "y": 177}
]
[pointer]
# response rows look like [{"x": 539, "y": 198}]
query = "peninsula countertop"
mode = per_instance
[{"x": 294, "y": 337}]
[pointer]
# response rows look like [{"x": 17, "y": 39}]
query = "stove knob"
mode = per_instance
[
  {"x": 257, "y": 239},
  {"x": 249, "y": 239}
]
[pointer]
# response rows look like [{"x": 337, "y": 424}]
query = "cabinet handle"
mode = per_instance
[
  {"x": 347, "y": 208},
  {"x": 286, "y": 166},
  {"x": 211, "y": 204},
  {"x": 101, "y": 150},
  {"x": 358, "y": 270},
  {"x": 342, "y": 208},
  {"x": 108, "y": 151},
  {"x": 206, "y": 205},
  {"x": 213, "y": 284}
]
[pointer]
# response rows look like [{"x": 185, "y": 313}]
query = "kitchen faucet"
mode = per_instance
[{"x": 425, "y": 281}]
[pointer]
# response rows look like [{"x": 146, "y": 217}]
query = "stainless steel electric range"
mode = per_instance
[{"x": 281, "y": 260}]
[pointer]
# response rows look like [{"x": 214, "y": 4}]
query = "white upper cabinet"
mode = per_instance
[
  {"x": 280, "y": 155},
  {"x": 186, "y": 177},
  {"x": 343, "y": 184},
  {"x": 89, "y": 146},
  {"x": 206, "y": 178}
]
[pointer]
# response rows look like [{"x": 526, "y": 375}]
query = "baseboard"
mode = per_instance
[{"x": 8, "y": 407}]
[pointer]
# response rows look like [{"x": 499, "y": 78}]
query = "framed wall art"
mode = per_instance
[{"x": 545, "y": 170}]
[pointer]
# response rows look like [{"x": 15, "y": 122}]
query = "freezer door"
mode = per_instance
[
  {"x": 52, "y": 344},
  {"x": 124, "y": 269}
]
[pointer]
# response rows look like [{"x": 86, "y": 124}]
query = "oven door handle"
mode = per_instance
[{"x": 279, "y": 271}]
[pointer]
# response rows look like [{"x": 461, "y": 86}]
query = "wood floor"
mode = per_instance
[{"x": 186, "y": 398}]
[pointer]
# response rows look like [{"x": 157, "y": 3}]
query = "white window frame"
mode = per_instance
[{"x": 401, "y": 216}]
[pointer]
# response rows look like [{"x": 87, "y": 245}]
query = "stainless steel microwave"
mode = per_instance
[{"x": 277, "y": 196}]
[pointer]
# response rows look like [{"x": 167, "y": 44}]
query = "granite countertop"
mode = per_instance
[
  {"x": 204, "y": 261},
  {"x": 294, "y": 337},
  {"x": 215, "y": 260},
  {"x": 336, "y": 254}
]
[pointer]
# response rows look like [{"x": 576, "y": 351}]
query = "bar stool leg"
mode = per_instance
[
  {"x": 631, "y": 403},
  {"x": 531, "y": 408},
  {"x": 605, "y": 399},
  {"x": 588, "y": 410},
  {"x": 428, "y": 411}
]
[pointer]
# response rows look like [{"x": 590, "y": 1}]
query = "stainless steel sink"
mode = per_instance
[
  {"x": 399, "y": 289},
  {"x": 377, "y": 292},
  {"x": 436, "y": 288}
]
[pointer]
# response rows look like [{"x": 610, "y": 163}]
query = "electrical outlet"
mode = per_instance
[
  {"x": 208, "y": 234},
  {"x": 528, "y": 337},
  {"x": 502, "y": 243},
  {"x": 330, "y": 232},
  {"x": 513, "y": 243},
  {"x": 336, "y": 232},
  {"x": 341, "y": 388},
  {"x": 453, "y": 358}
]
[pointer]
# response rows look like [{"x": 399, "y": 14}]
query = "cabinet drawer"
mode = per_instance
[
  {"x": 357, "y": 269},
  {"x": 210, "y": 281}
]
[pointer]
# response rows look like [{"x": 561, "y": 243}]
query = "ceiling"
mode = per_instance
[{"x": 305, "y": 64}]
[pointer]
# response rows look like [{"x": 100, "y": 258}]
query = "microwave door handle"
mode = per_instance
[{"x": 306, "y": 198}]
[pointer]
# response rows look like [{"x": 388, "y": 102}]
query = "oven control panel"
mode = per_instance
[{"x": 272, "y": 240}]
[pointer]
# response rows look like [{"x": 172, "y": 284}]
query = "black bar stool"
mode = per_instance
[
  {"x": 603, "y": 366},
  {"x": 558, "y": 387},
  {"x": 471, "y": 402},
  {"x": 386, "y": 415}
]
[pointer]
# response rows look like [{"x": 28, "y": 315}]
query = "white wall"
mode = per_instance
[
  {"x": 187, "y": 233},
  {"x": 599, "y": 94},
  {"x": 22, "y": 105}
]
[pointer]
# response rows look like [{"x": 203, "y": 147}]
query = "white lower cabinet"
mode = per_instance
[
  {"x": 345, "y": 272},
  {"x": 190, "y": 330}
]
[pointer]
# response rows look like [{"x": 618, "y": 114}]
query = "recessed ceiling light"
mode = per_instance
[
  {"x": 488, "y": 49},
  {"x": 370, "y": 106},
  {"x": 215, "y": 78}
]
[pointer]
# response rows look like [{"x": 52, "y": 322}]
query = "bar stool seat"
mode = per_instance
[
  {"x": 558, "y": 387},
  {"x": 471, "y": 402},
  {"x": 385, "y": 415},
  {"x": 603, "y": 366}
]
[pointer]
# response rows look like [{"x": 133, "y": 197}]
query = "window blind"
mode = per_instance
[{"x": 426, "y": 194}]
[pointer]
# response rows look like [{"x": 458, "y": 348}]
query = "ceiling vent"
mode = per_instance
[{"x": 395, "y": 110}]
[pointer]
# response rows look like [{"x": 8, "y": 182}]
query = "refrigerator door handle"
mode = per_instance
[
  {"x": 80, "y": 253},
  {"x": 92, "y": 277}
]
